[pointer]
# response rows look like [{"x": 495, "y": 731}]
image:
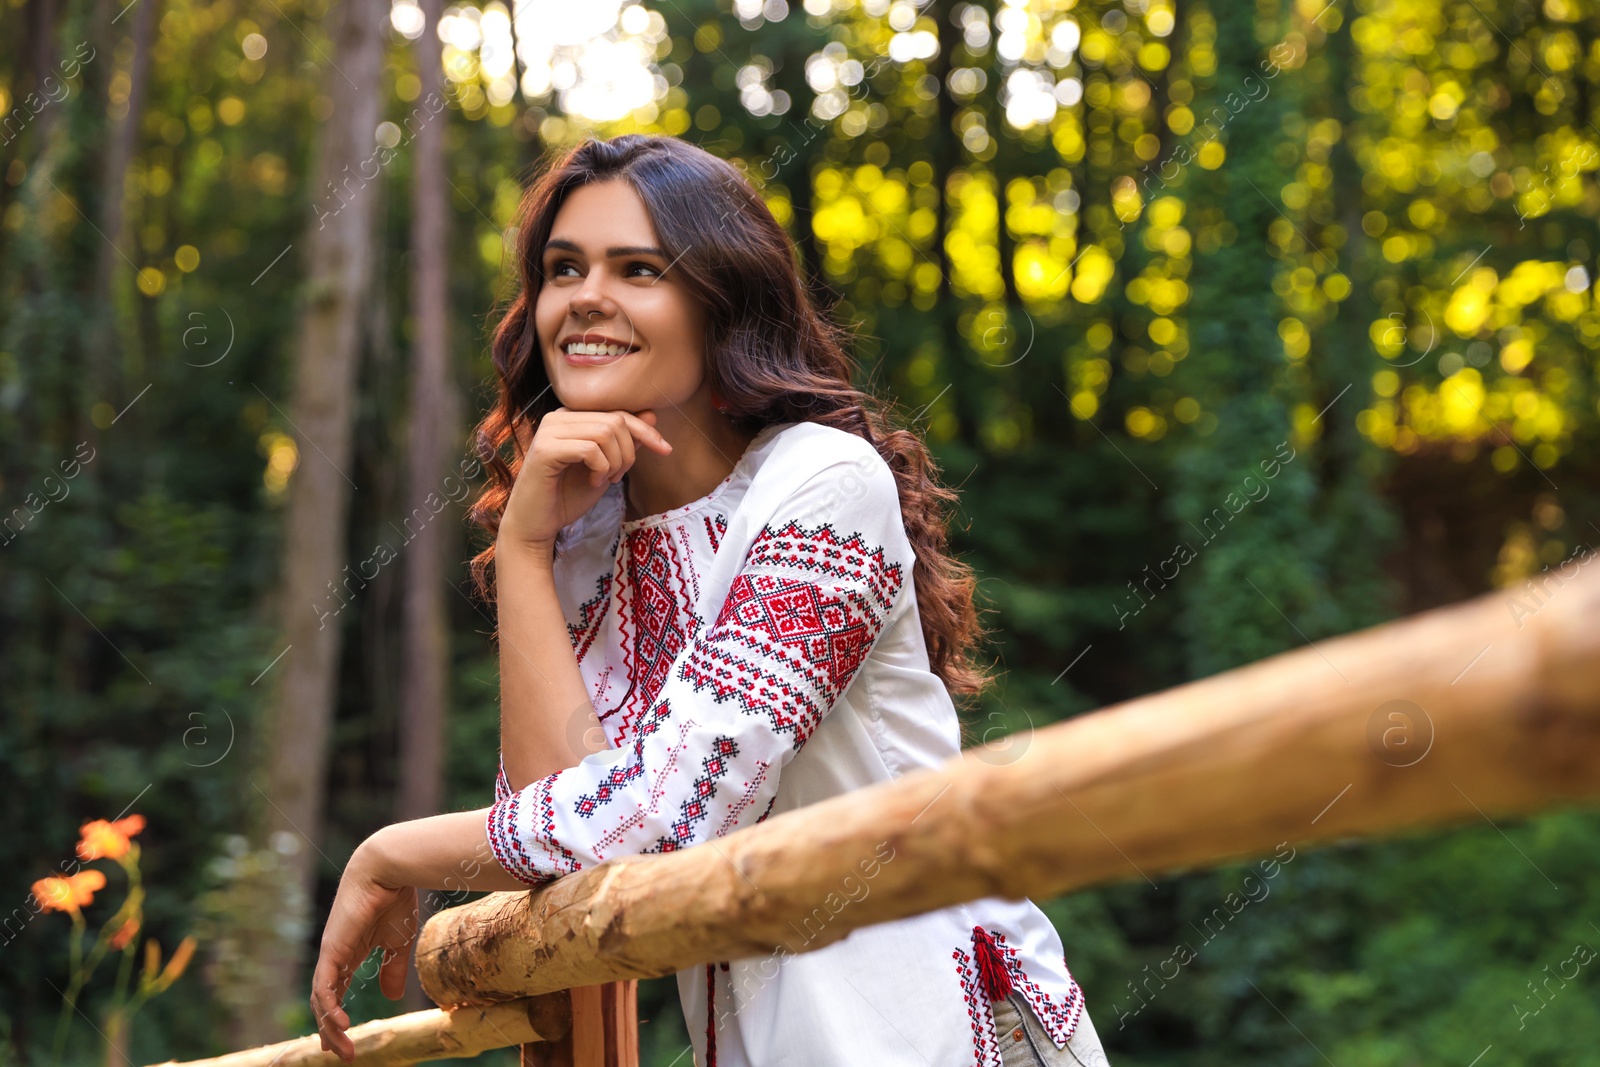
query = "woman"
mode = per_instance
[{"x": 722, "y": 593}]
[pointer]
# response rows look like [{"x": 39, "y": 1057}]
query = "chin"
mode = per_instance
[
  {"x": 592, "y": 402},
  {"x": 620, "y": 393},
  {"x": 590, "y": 398}
]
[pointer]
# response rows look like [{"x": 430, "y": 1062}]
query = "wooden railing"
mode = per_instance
[{"x": 1482, "y": 709}]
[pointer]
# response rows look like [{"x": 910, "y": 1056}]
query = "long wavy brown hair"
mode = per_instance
[{"x": 770, "y": 354}]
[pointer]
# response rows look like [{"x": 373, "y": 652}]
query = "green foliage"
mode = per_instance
[{"x": 1111, "y": 353}]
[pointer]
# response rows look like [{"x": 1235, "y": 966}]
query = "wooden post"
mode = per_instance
[
  {"x": 604, "y": 1032},
  {"x": 620, "y": 1007}
]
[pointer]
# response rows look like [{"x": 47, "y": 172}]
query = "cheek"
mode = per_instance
[
  {"x": 547, "y": 320},
  {"x": 547, "y": 313},
  {"x": 675, "y": 321}
]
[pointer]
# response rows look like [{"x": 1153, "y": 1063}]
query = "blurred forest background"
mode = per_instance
[{"x": 1109, "y": 257}]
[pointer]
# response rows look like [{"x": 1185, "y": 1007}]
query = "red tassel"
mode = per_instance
[
  {"x": 711, "y": 1017},
  {"x": 991, "y": 966}
]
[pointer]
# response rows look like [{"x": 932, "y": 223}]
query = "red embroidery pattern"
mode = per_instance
[
  {"x": 502, "y": 822},
  {"x": 614, "y": 779},
  {"x": 751, "y": 788},
  {"x": 507, "y": 843},
  {"x": 985, "y": 1045},
  {"x": 716, "y": 528},
  {"x": 658, "y": 785},
  {"x": 818, "y": 637},
  {"x": 590, "y": 614},
  {"x": 656, "y": 604},
  {"x": 602, "y": 684},
  {"x": 695, "y": 808},
  {"x": 993, "y": 971},
  {"x": 620, "y": 776},
  {"x": 822, "y": 552}
]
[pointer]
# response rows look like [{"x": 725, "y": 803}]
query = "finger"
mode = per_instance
[
  {"x": 553, "y": 424},
  {"x": 335, "y": 1039},
  {"x": 331, "y": 1025},
  {"x": 341, "y": 982},
  {"x": 392, "y": 976},
  {"x": 325, "y": 997},
  {"x": 642, "y": 425},
  {"x": 601, "y": 470},
  {"x": 586, "y": 452},
  {"x": 632, "y": 426},
  {"x": 604, "y": 434},
  {"x": 625, "y": 445},
  {"x": 599, "y": 432},
  {"x": 646, "y": 431},
  {"x": 339, "y": 1044},
  {"x": 331, "y": 1019}
]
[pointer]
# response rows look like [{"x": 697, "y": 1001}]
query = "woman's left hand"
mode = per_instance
[{"x": 366, "y": 914}]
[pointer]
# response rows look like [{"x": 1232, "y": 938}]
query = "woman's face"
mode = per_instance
[{"x": 605, "y": 279}]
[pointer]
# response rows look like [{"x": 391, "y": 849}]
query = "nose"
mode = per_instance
[{"x": 590, "y": 300}]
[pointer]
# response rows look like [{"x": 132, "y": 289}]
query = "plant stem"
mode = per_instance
[
  {"x": 122, "y": 975},
  {"x": 73, "y": 985},
  {"x": 119, "y": 1021},
  {"x": 116, "y": 1039}
]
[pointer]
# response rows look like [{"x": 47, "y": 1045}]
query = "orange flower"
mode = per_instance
[
  {"x": 120, "y": 939},
  {"x": 108, "y": 840},
  {"x": 56, "y": 893}
]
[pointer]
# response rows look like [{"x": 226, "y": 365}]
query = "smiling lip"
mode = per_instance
[{"x": 585, "y": 360}]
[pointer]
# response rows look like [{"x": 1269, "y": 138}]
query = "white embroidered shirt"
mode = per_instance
[{"x": 751, "y": 652}]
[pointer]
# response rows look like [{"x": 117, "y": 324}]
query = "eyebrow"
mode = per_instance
[{"x": 614, "y": 250}]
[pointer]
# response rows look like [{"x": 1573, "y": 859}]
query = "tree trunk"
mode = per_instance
[
  {"x": 435, "y": 433},
  {"x": 944, "y": 156},
  {"x": 34, "y": 60},
  {"x": 339, "y": 267},
  {"x": 104, "y": 369}
]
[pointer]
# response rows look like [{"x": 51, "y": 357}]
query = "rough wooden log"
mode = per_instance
[
  {"x": 417, "y": 1037},
  {"x": 1476, "y": 710}
]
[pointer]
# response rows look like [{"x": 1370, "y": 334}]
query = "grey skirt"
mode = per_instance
[{"x": 1024, "y": 1042}]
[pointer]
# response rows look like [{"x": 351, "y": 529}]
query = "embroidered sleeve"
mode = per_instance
[{"x": 803, "y": 613}]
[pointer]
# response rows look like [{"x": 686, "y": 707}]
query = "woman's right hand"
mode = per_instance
[{"x": 573, "y": 457}]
